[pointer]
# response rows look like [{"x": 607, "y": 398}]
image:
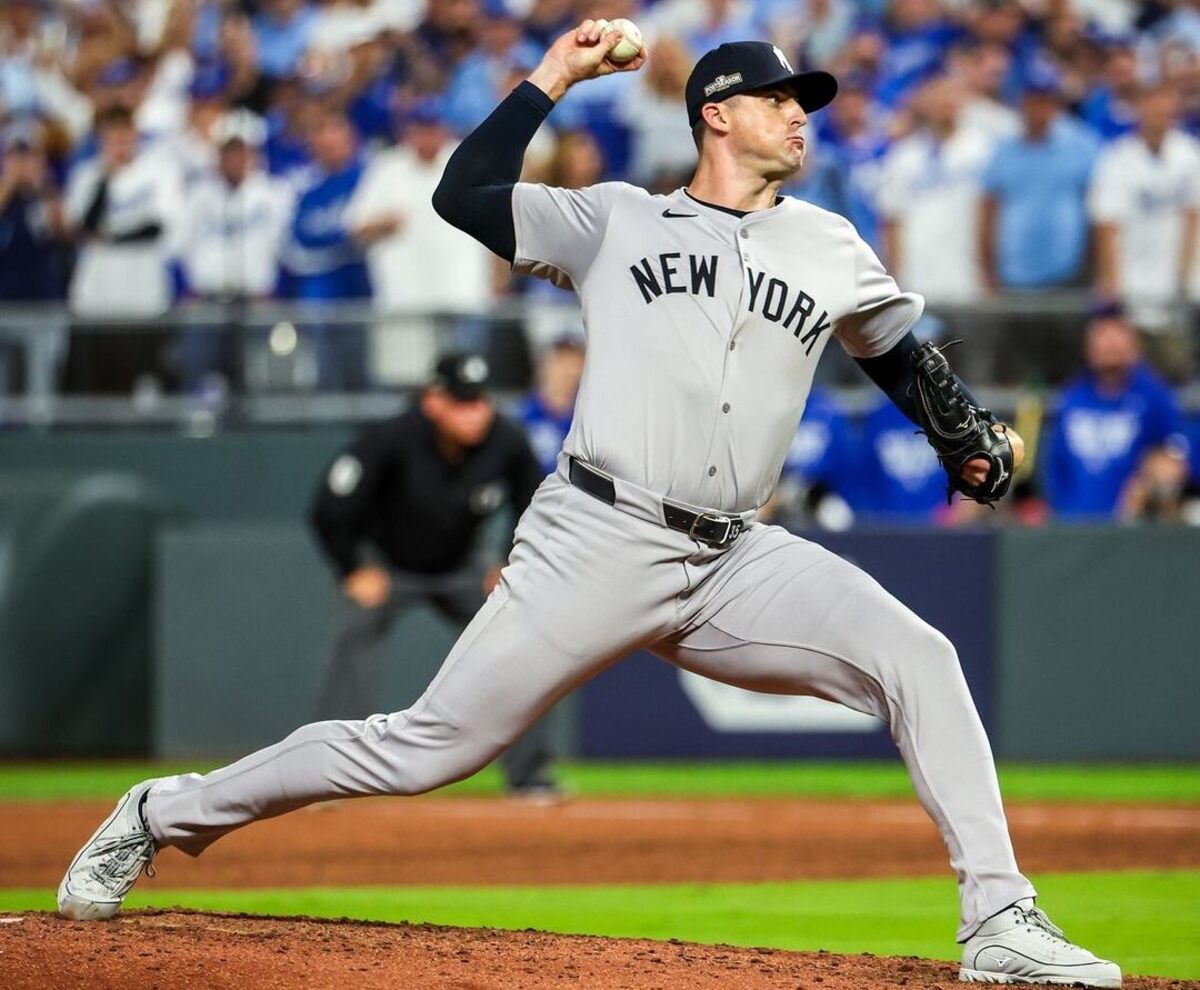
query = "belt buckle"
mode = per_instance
[{"x": 733, "y": 529}]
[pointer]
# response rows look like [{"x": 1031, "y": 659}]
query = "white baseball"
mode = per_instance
[{"x": 630, "y": 46}]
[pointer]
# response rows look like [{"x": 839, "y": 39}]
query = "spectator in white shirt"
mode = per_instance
[
  {"x": 232, "y": 229},
  {"x": 1145, "y": 203},
  {"x": 421, "y": 267},
  {"x": 121, "y": 207},
  {"x": 33, "y": 39},
  {"x": 929, "y": 198},
  {"x": 192, "y": 147}
]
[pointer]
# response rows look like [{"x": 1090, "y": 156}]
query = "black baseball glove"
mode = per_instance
[{"x": 957, "y": 429}]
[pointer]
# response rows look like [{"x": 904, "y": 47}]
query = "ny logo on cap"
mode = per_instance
[{"x": 783, "y": 59}]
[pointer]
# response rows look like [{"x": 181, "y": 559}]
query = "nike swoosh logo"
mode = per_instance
[{"x": 678, "y": 216}]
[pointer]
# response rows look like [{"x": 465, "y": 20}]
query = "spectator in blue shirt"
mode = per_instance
[
  {"x": 722, "y": 22},
  {"x": 918, "y": 37},
  {"x": 1033, "y": 225},
  {"x": 547, "y": 413},
  {"x": 282, "y": 31},
  {"x": 287, "y": 154},
  {"x": 444, "y": 38},
  {"x": 854, "y": 135},
  {"x": 33, "y": 257},
  {"x": 321, "y": 260},
  {"x": 32, "y": 227},
  {"x": 1110, "y": 420},
  {"x": 206, "y": 30},
  {"x": 1109, "y": 107},
  {"x": 480, "y": 80},
  {"x": 822, "y": 451},
  {"x": 1006, "y": 23},
  {"x": 820, "y": 478},
  {"x": 1194, "y": 448},
  {"x": 902, "y": 479},
  {"x": 822, "y": 181}
]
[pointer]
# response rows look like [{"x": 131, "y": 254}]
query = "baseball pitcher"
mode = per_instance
[{"x": 706, "y": 312}]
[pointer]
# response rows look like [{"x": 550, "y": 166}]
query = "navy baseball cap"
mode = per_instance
[
  {"x": 429, "y": 109},
  {"x": 740, "y": 66},
  {"x": 1106, "y": 308},
  {"x": 118, "y": 73},
  {"x": 498, "y": 10},
  {"x": 1043, "y": 78},
  {"x": 209, "y": 81},
  {"x": 464, "y": 376}
]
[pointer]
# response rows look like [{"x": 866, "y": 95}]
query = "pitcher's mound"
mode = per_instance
[{"x": 183, "y": 950}]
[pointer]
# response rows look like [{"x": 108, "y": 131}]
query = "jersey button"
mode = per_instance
[
  {"x": 744, "y": 232},
  {"x": 725, "y": 408},
  {"x": 732, "y": 344},
  {"x": 712, "y": 471}
]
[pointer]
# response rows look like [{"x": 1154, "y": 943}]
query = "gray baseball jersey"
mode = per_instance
[{"x": 704, "y": 328}]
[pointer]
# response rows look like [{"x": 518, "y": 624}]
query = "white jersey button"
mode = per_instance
[
  {"x": 744, "y": 233},
  {"x": 725, "y": 408},
  {"x": 712, "y": 471}
]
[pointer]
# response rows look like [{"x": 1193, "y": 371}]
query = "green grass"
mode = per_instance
[
  {"x": 1148, "y": 921},
  {"x": 811, "y": 778}
]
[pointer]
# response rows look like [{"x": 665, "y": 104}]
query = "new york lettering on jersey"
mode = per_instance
[
  {"x": 771, "y": 297},
  {"x": 777, "y": 299},
  {"x": 666, "y": 273}
]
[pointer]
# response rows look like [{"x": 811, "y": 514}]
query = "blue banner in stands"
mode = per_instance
[{"x": 643, "y": 707}]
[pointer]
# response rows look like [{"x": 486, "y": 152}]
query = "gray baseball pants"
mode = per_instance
[
  {"x": 352, "y": 675},
  {"x": 587, "y": 583}
]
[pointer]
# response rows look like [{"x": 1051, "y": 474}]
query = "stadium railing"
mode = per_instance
[{"x": 282, "y": 363}]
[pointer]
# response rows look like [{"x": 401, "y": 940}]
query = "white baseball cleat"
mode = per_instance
[
  {"x": 1022, "y": 945},
  {"x": 108, "y": 865}
]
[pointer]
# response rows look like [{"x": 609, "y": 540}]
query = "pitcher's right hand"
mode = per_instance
[{"x": 579, "y": 54}]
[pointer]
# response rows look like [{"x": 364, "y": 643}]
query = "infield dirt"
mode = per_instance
[
  {"x": 482, "y": 841},
  {"x": 479, "y": 841},
  {"x": 176, "y": 950}
]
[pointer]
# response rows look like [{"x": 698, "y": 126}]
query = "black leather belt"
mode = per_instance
[{"x": 713, "y": 529}]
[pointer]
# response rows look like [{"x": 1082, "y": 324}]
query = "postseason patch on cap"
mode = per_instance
[{"x": 722, "y": 82}]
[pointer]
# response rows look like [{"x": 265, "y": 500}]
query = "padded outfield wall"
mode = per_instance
[{"x": 1080, "y": 643}]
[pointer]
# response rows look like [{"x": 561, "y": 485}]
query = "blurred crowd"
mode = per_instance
[
  {"x": 155, "y": 151},
  {"x": 1115, "y": 446}
]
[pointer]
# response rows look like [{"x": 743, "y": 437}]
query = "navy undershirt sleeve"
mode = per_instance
[
  {"x": 475, "y": 193},
  {"x": 893, "y": 372}
]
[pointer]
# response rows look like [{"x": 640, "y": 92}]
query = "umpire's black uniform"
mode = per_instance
[{"x": 403, "y": 497}]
